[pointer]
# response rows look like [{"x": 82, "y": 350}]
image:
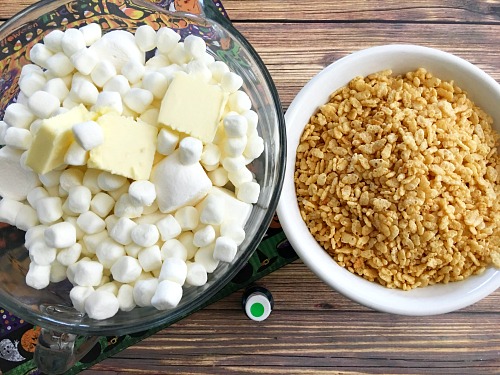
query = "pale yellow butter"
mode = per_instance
[
  {"x": 129, "y": 147},
  {"x": 193, "y": 107},
  {"x": 54, "y": 138}
]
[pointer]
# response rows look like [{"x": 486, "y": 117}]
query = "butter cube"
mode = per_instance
[
  {"x": 54, "y": 138},
  {"x": 128, "y": 149},
  {"x": 193, "y": 107}
]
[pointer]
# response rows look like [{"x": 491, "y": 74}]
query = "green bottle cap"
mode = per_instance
[{"x": 258, "y": 303}]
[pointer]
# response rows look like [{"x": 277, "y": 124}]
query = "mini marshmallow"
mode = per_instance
[
  {"x": 31, "y": 83},
  {"x": 233, "y": 231},
  {"x": 218, "y": 176},
  {"x": 234, "y": 147},
  {"x": 156, "y": 83},
  {"x": 231, "y": 82},
  {"x": 196, "y": 274},
  {"x": 84, "y": 61},
  {"x": 168, "y": 227},
  {"x": 103, "y": 72},
  {"x": 232, "y": 164},
  {"x": 188, "y": 217},
  {"x": 91, "y": 33},
  {"x": 71, "y": 177},
  {"x": 248, "y": 192},
  {"x": 42, "y": 254},
  {"x": 235, "y": 126},
  {"x": 92, "y": 241},
  {"x": 50, "y": 179},
  {"x": 121, "y": 232},
  {"x": 108, "y": 101},
  {"x": 90, "y": 180},
  {"x": 65, "y": 207},
  {"x": 78, "y": 295},
  {"x": 18, "y": 116},
  {"x": 111, "y": 287},
  {"x": 195, "y": 46},
  {"x": 39, "y": 54},
  {"x": 90, "y": 223},
  {"x": 72, "y": 220},
  {"x": 204, "y": 236},
  {"x": 33, "y": 235},
  {"x": 119, "y": 84},
  {"x": 157, "y": 62},
  {"x": 76, "y": 155},
  {"x": 205, "y": 256},
  {"x": 190, "y": 150},
  {"x": 69, "y": 103},
  {"x": 170, "y": 71},
  {"x": 84, "y": 91},
  {"x": 142, "y": 192},
  {"x": 150, "y": 116},
  {"x": 88, "y": 134},
  {"x": 145, "y": 37},
  {"x": 57, "y": 272},
  {"x": 138, "y": 99},
  {"x": 166, "y": 40},
  {"x": 20, "y": 181},
  {"x": 212, "y": 210},
  {"x": 35, "y": 126},
  {"x": 60, "y": 65},
  {"x": 72, "y": 41},
  {"x": 105, "y": 279},
  {"x": 144, "y": 291},
  {"x": 43, "y": 104},
  {"x": 88, "y": 273},
  {"x": 56, "y": 87},
  {"x": 225, "y": 249},
  {"x": 125, "y": 207},
  {"x": 116, "y": 194},
  {"x": 3, "y": 130},
  {"x": 49, "y": 209},
  {"x": 178, "y": 185},
  {"x": 199, "y": 70},
  {"x": 79, "y": 199},
  {"x": 69, "y": 255},
  {"x": 60, "y": 235},
  {"x": 108, "y": 252},
  {"x": 168, "y": 294},
  {"x": 173, "y": 248},
  {"x": 173, "y": 269},
  {"x": 167, "y": 142},
  {"x": 125, "y": 297},
  {"x": 133, "y": 250},
  {"x": 126, "y": 269},
  {"x": 30, "y": 68},
  {"x": 102, "y": 204},
  {"x": 241, "y": 176},
  {"x": 38, "y": 276},
  {"x": 239, "y": 101},
  {"x": 109, "y": 182},
  {"x": 178, "y": 54},
  {"x": 186, "y": 239},
  {"x": 145, "y": 235},
  {"x": 254, "y": 148},
  {"x": 18, "y": 138},
  {"x": 101, "y": 305},
  {"x": 53, "y": 40},
  {"x": 150, "y": 258},
  {"x": 218, "y": 69},
  {"x": 9, "y": 209},
  {"x": 26, "y": 218}
]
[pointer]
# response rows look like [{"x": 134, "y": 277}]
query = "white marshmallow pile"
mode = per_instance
[{"x": 121, "y": 242}]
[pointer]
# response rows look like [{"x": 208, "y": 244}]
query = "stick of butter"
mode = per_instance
[
  {"x": 128, "y": 149},
  {"x": 54, "y": 138},
  {"x": 193, "y": 107}
]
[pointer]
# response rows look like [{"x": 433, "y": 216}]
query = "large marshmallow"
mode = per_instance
[
  {"x": 168, "y": 227},
  {"x": 150, "y": 258},
  {"x": 173, "y": 248},
  {"x": 20, "y": 181},
  {"x": 88, "y": 134},
  {"x": 168, "y": 294},
  {"x": 126, "y": 269},
  {"x": 144, "y": 291},
  {"x": 60, "y": 235},
  {"x": 178, "y": 185},
  {"x": 126, "y": 297},
  {"x": 108, "y": 252},
  {"x": 38, "y": 276},
  {"x": 101, "y": 305},
  {"x": 173, "y": 269},
  {"x": 145, "y": 235},
  {"x": 196, "y": 274}
]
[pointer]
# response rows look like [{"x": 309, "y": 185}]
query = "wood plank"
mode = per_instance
[{"x": 297, "y": 51}]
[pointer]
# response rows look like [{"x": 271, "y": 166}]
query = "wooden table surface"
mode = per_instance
[{"x": 314, "y": 330}]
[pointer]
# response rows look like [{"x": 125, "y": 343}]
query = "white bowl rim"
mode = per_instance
[{"x": 431, "y": 300}]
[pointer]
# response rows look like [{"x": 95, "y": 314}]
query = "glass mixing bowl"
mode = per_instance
[{"x": 50, "y": 308}]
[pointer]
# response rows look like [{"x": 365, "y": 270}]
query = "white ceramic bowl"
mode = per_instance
[{"x": 482, "y": 89}]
